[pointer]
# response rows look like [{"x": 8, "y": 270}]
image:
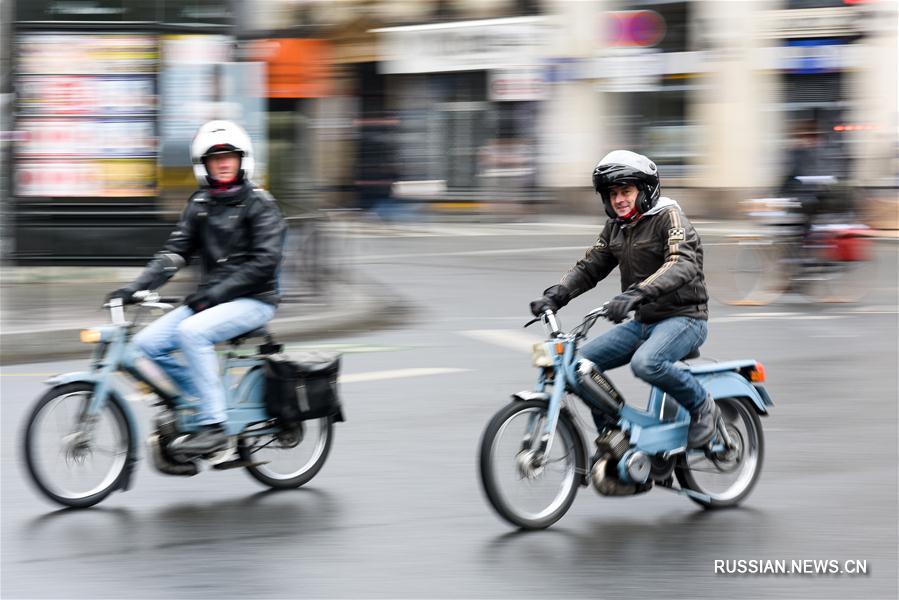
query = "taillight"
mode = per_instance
[{"x": 757, "y": 373}]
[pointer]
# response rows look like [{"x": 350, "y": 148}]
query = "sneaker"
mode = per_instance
[
  {"x": 207, "y": 439},
  {"x": 703, "y": 423}
]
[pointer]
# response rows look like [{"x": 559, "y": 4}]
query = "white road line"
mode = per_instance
[
  {"x": 875, "y": 310},
  {"x": 470, "y": 253},
  {"x": 505, "y": 338},
  {"x": 773, "y": 316},
  {"x": 398, "y": 374}
]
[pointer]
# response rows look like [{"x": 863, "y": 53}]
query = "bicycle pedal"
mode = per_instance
[{"x": 238, "y": 464}]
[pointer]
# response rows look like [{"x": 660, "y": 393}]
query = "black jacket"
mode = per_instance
[
  {"x": 239, "y": 240},
  {"x": 660, "y": 254}
]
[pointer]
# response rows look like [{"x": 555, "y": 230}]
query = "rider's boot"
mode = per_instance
[
  {"x": 207, "y": 439},
  {"x": 703, "y": 422}
]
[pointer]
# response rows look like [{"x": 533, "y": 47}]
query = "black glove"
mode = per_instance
[
  {"x": 620, "y": 305},
  {"x": 126, "y": 295},
  {"x": 199, "y": 301},
  {"x": 553, "y": 299}
]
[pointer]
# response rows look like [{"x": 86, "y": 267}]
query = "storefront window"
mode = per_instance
[{"x": 656, "y": 125}]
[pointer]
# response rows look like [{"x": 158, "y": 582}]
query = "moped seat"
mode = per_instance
[{"x": 239, "y": 339}]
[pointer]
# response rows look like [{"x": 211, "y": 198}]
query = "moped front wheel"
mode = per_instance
[
  {"x": 74, "y": 458},
  {"x": 290, "y": 458},
  {"x": 726, "y": 479},
  {"x": 527, "y": 490}
]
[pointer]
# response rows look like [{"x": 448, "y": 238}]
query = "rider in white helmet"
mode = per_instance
[
  {"x": 237, "y": 232},
  {"x": 659, "y": 255}
]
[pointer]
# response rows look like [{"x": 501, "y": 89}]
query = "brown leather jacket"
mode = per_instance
[{"x": 660, "y": 254}]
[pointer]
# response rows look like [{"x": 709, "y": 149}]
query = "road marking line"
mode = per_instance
[
  {"x": 28, "y": 374},
  {"x": 362, "y": 259},
  {"x": 505, "y": 338},
  {"x": 344, "y": 348},
  {"x": 774, "y": 316},
  {"x": 398, "y": 374}
]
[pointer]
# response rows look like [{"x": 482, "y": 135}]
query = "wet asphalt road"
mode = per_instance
[{"x": 398, "y": 511}]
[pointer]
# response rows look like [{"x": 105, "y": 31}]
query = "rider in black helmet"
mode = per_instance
[{"x": 659, "y": 255}]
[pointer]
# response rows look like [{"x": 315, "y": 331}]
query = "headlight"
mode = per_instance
[
  {"x": 91, "y": 336},
  {"x": 540, "y": 357}
]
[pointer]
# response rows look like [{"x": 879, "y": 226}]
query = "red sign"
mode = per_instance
[
  {"x": 634, "y": 28},
  {"x": 297, "y": 68}
]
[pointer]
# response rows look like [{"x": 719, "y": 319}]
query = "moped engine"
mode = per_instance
[
  {"x": 618, "y": 469},
  {"x": 597, "y": 390},
  {"x": 158, "y": 443}
]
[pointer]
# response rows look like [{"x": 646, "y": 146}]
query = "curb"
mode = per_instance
[{"x": 374, "y": 308}]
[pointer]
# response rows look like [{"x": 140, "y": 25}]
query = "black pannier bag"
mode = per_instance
[{"x": 303, "y": 389}]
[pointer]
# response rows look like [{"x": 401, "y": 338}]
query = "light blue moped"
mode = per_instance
[
  {"x": 81, "y": 438},
  {"x": 533, "y": 456}
]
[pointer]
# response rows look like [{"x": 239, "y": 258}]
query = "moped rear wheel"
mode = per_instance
[
  {"x": 291, "y": 458},
  {"x": 75, "y": 460},
  {"x": 523, "y": 490},
  {"x": 726, "y": 480}
]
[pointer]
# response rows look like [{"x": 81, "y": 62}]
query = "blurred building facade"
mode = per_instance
[{"x": 447, "y": 102}]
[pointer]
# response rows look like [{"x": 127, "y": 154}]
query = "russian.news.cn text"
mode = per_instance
[{"x": 790, "y": 567}]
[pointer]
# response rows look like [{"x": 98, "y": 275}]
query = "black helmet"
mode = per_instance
[{"x": 620, "y": 167}]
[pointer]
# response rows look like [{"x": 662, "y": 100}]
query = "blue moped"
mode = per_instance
[
  {"x": 533, "y": 457},
  {"x": 81, "y": 438}
]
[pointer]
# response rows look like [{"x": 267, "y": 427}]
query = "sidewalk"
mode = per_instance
[{"x": 42, "y": 310}]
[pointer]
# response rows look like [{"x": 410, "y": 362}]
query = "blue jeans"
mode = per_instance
[
  {"x": 196, "y": 335},
  {"x": 652, "y": 351}
]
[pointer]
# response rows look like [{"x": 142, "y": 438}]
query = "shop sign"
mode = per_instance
[
  {"x": 297, "y": 68},
  {"x": 813, "y": 56},
  {"x": 835, "y": 21},
  {"x": 463, "y": 46},
  {"x": 642, "y": 70},
  {"x": 524, "y": 84},
  {"x": 810, "y": 56}
]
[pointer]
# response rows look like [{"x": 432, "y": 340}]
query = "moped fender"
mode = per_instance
[
  {"x": 90, "y": 377},
  {"x": 729, "y": 384},
  {"x": 74, "y": 377},
  {"x": 526, "y": 395}
]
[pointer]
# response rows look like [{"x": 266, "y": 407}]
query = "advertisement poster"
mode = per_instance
[{"x": 87, "y": 115}]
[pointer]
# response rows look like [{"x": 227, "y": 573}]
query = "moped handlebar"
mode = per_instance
[
  {"x": 146, "y": 299},
  {"x": 554, "y": 330},
  {"x": 548, "y": 317}
]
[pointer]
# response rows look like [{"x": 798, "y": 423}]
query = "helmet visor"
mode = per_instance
[{"x": 222, "y": 149}]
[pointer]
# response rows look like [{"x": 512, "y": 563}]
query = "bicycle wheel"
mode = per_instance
[
  {"x": 727, "y": 479},
  {"x": 747, "y": 270},
  {"x": 524, "y": 492},
  {"x": 839, "y": 281},
  {"x": 290, "y": 458},
  {"x": 73, "y": 460}
]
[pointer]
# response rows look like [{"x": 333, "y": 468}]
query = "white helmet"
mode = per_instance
[{"x": 219, "y": 137}]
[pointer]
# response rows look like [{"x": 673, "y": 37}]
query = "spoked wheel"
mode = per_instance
[
  {"x": 838, "y": 281},
  {"x": 727, "y": 478},
  {"x": 748, "y": 271},
  {"x": 74, "y": 459},
  {"x": 525, "y": 490},
  {"x": 290, "y": 458}
]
